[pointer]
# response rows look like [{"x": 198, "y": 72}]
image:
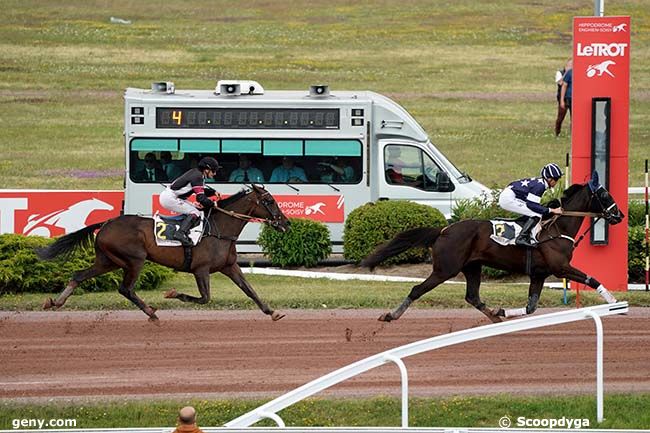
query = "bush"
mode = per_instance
[
  {"x": 636, "y": 254},
  {"x": 21, "y": 271},
  {"x": 636, "y": 213},
  {"x": 375, "y": 223},
  {"x": 305, "y": 244}
]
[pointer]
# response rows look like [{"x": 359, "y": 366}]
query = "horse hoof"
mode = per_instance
[
  {"x": 154, "y": 319},
  {"x": 172, "y": 293},
  {"x": 49, "y": 303},
  {"x": 387, "y": 317},
  {"x": 275, "y": 316}
]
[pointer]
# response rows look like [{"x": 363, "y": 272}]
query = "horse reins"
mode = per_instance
[{"x": 239, "y": 216}]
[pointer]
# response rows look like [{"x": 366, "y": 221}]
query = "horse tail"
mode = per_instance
[
  {"x": 68, "y": 244},
  {"x": 415, "y": 238}
]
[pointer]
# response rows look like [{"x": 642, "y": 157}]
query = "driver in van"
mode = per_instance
[
  {"x": 523, "y": 197},
  {"x": 175, "y": 197}
]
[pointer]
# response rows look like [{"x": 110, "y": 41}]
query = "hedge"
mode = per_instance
[
  {"x": 21, "y": 271},
  {"x": 305, "y": 244},
  {"x": 375, "y": 223}
]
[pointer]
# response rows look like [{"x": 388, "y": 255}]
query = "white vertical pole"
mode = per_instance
[
  {"x": 599, "y": 365},
  {"x": 599, "y": 8},
  {"x": 405, "y": 388}
]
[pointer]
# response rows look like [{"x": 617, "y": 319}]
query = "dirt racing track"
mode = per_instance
[{"x": 226, "y": 354}]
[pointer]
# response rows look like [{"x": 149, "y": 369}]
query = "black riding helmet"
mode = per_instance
[{"x": 210, "y": 163}]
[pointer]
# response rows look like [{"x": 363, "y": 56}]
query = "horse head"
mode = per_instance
[
  {"x": 604, "y": 203},
  {"x": 267, "y": 208},
  {"x": 594, "y": 198}
]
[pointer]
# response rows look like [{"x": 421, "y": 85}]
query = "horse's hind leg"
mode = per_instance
[
  {"x": 472, "y": 274},
  {"x": 436, "y": 278},
  {"x": 126, "y": 288},
  {"x": 102, "y": 265}
]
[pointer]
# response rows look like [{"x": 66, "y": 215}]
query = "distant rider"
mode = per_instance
[
  {"x": 523, "y": 197},
  {"x": 174, "y": 198}
]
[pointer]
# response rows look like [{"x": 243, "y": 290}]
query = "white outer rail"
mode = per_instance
[{"x": 396, "y": 354}]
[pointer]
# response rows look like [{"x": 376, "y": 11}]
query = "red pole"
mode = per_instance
[{"x": 647, "y": 231}]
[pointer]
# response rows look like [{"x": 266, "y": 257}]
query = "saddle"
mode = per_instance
[
  {"x": 505, "y": 231},
  {"x": 164, "y": 228}
]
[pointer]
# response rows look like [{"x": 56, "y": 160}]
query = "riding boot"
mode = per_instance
[
  {"x": 184, "y": 230},
  {"x": 525, "y": 237}
]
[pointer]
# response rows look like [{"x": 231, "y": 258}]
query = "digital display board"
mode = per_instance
[{"x": 247, "y": 118}]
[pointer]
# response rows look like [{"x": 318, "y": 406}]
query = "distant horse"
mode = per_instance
[
  {"x": 465, "y": 246},
  {"x": 127, "y": 241}
]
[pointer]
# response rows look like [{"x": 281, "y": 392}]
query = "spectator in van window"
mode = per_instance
[
  {"x": 336, "y": 170},
  {"x": 169, "y": 166},
  {"x": 288, "y": 172},
  {"x": 246, "y": 172},
  {"x": 152, "y": 171},
  {"x": 394, "y": 165}
]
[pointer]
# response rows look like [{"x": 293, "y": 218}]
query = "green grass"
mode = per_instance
[
  {"x": 478, "y": 76},
  {"x": 305, "y": 293},
  {"x": 623, "y": 411}
]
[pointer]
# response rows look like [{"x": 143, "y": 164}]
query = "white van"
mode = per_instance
[{"x": 321, "y": 153}]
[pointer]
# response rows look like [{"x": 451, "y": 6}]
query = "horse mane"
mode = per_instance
[
  {"x": 572, "y": 190},
  {"x": 232, "y": 199}
]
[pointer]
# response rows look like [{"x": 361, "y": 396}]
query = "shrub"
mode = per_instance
[
  {"x": 375, "y": 223},
  {"x": 21, "y": 271},
  {"x": 305, "y": 244},
  {"x": 636, "y": 213},
  {"x": 636, "y": 254}
]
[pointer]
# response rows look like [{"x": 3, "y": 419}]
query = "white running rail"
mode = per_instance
[{"x": 270, "y": 409}]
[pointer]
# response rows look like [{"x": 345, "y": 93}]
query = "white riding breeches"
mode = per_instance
[
  {"x": 171, "y": 202},
  {"x": 509, "y": 202}
]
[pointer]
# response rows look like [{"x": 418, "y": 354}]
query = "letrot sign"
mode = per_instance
[{"x": 600, "y": 111}]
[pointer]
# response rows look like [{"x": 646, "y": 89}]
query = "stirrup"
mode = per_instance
[
  {"x": 183, "y": 239},
  {"x": 525, "y": 243}
]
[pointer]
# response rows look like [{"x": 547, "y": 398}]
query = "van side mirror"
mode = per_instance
[{"x": 444, "y": 183}]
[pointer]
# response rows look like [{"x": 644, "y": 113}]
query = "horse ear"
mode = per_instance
[{"x": 594, "y": 183}]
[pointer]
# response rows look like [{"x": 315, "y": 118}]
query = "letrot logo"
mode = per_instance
[
  {"x": 69, "y": 219},
  {"x": 601, "y": 50},
  {"x": 600, "y": 69},
  {"x": 315, "y": 209},
  {"x": 620, "y": 28}
]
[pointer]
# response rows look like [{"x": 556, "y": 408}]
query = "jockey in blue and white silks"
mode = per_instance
[{"x": 523, "y": 196}]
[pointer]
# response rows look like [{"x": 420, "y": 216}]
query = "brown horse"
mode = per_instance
[
  {"x": 127, "y": 241},
  {"x": 465, "y": 246}
]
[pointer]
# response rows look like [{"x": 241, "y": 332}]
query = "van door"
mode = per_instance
[{"x": 407, "y": 172}]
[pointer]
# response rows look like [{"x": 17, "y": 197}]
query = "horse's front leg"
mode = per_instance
[
  {"x": 569, "y": 272},
  {"x": 534, "y": 292},
  {"x": 235, "y": 274},
  {"x": 202, "y": 278}
]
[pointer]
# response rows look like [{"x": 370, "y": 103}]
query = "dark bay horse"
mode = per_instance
[
  {"x": 127, "y": 241},
  {"x": 465, "y": 246}
]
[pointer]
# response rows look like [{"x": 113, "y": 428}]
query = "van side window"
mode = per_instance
[{"x": 410, "y": 166}]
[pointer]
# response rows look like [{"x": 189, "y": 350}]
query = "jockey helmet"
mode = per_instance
[
  {"x": 209, "y": 163},
  {"x": 551, "y": 171}
]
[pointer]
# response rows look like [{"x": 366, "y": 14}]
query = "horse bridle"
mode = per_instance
[
  {"x": 250, "y": 218},
  {"x": 605, "y": 213}
]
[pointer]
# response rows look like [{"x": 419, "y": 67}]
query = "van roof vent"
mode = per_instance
[
  {"x": 319, "y": 91},
  {"x": 163, "y": 87},
  {"x": 238, "y": 87}
]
